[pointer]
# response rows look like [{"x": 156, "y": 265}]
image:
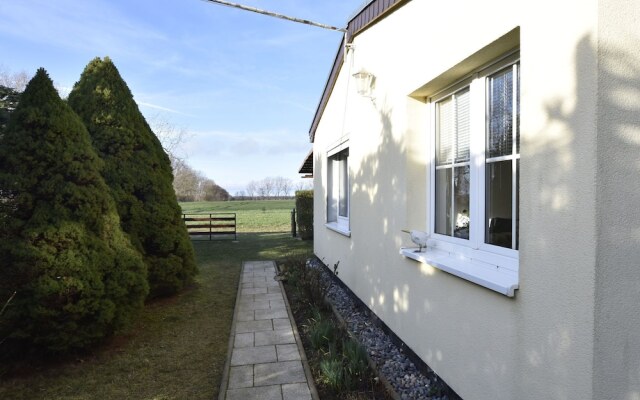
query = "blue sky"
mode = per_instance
[{"x": 243, "y": 86}]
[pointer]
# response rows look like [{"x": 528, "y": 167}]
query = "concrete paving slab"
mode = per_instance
[
  {"x": 288, "y": 352},
  {"x": 253, "y": 355},
  {"x": 243, "y": 340},
  {"x": 256, "y": 393},
  {"x": 271, "y": 289},
  {"x": 253, "y": 305},
  {"x": 267, "y": 297},
  {"x": 254, "y": 326},
  {"x": 281, "y": 323},
  {"x": 245, "y": 315},
  {"x": 283, "y": 336},
  {"x": 278, "y": 373},
  {"x": 246, "y": 292},
  {"x": 241, "y": 377},
  {"x": 296, "y": 391},
  {"x": 278, "y": 313},
  {"x": 276, "y": 304}
]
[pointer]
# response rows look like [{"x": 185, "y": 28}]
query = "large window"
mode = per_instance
[
  {"x": 475, "y": 176},
  {"x": 338, "y": 191}
]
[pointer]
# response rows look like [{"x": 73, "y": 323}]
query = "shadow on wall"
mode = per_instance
[
  {"x": 618, "y": 218},
  {"x": 379, "y": 189},
  {"x": 567, "y": 172},
  {"x": 550, "y": 334}
]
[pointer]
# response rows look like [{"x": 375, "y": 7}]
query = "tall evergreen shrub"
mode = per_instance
[
  {"x": 77, "y": 276},
  {"x": 139, "y": 174}
]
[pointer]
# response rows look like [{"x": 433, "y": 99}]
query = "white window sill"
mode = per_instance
[
  {"x": 501, "y": 280},
  {"x": 341, "y": 229}
]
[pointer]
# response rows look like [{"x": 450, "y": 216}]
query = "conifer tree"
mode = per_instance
[
  {"x": 138, "y": 171},
  {"x": 76, "y": 276}
]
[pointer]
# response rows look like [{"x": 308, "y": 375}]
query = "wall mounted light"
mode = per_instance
[{"x": 364, "y": 83}]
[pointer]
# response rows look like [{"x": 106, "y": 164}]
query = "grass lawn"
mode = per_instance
[
  {"x": 178, "y": 347},
  {"x": 252, "y": 215}
]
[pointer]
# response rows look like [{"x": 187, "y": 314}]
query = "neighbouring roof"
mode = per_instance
[
  {"x": 369, "y": 13},
  {"x": 307, "y": 165}
]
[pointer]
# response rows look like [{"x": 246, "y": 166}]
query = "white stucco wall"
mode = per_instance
[
  {"x": 617, "y": 313},
  {"x": 552, "y": 341}
]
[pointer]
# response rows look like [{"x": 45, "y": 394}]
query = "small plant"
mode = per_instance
[
  {"x": 335, "y": 268},
  {"x": 332, "y": 372},
  {"x": 293, "y": 268},
  {"x": 322, "y": 335},
  {"x": 355, "y": 357},
  {"x": 313, "y": 288}
]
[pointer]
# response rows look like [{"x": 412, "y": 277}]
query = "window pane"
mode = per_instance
[
  {"x": 463, "y": 125},
  {"x": 445, "y": 131},
  {"x": 498, "y": 229},
  {"x": 443, "y": 202},
  {"x": 461, "y": 201},
  {"x": 343, "y": 206},
  {"x": 332, "y": 205},
  {"x": 500, "y": 124},
  {"x": 517, "y": 204},
  {"x": 518, "y": 111}
]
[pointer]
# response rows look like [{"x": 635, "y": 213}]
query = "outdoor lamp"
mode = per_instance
[{"x": 364, "y": 82}]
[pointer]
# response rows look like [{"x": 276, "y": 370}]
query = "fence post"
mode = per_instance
[{"x": 293, "y": 223}]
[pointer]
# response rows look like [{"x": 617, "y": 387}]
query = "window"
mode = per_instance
[
  {"x": 474, "y": 219},
  {"x": 338, "y": 191},
  {"x": 476, "y": 165}
]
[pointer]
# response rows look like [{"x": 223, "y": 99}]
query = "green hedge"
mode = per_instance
[{"x": 304, "y": 209}]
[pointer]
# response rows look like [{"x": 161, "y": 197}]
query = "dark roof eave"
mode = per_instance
[{"x": 307, "y": 164}]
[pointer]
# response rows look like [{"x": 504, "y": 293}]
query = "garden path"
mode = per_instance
[{"x": 266, "y": 360}]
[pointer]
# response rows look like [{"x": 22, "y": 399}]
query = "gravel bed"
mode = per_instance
[{"x": 400, "y": 372}]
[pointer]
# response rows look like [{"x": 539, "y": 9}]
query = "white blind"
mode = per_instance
[
  {"x": 453, "y": 128},
  {"x": 463, "y": 125},
  {"x": 445, "y": 131}
]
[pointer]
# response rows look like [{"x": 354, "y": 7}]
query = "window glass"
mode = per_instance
[
  {"x": 500, "y": 124},
  {"x": 503, "y": 146},
  {"x": 343, "y": 202},
  {"x": 498, "y": 213},
  {"x": 443, "y": 201},
  {"x": 338, "y": 186},
  {"x": 453, "y": 131},
  {"x": 461, "y": 220}
]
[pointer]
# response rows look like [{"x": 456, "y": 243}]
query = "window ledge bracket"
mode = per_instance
[
  {"x": 338, "y": 229},
  {"x": 492, "y": 277}
]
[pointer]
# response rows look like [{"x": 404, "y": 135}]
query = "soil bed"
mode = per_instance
[
  {"x": 366, "y": 386},
  {"x": 402, "y": 371}
]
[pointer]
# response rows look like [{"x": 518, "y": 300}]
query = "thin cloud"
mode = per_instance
[{"x": 161, "y": 108}]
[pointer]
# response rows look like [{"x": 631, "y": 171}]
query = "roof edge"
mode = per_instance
[{"x": 368, "y": 14}]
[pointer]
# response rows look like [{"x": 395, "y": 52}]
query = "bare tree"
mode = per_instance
[
  {"x": 252, "y": 189},
  {"x": 14, "y": 80},
  {"x": 171, "y": 137},
  {"x": 304, "y": 184},
  {"x": 286, "y": 185},
  {"x": 267, "y": 187}
]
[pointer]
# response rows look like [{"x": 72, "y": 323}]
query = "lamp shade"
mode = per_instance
[{"x": 364, "y": 81}]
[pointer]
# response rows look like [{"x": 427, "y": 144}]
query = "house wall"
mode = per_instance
[
  {"x": 551, "y": 341},
  {"x": 617, "y": 316}
]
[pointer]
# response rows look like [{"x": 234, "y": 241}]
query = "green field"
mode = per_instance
[
  {"x": 176, "y": 350},
  {"x": 251, "y": 215}
]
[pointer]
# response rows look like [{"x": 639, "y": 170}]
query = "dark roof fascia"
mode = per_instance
[
  {"x": 367, "y": 15},
  {"x": 307, "y": 164}
]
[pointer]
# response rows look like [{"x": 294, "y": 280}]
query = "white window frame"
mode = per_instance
[
  {"x": 472, "y": 259},
  {"x": 339, "y": 223}
]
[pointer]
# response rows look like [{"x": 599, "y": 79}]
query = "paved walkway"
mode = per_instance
[{"x": 266, "y": 360}]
